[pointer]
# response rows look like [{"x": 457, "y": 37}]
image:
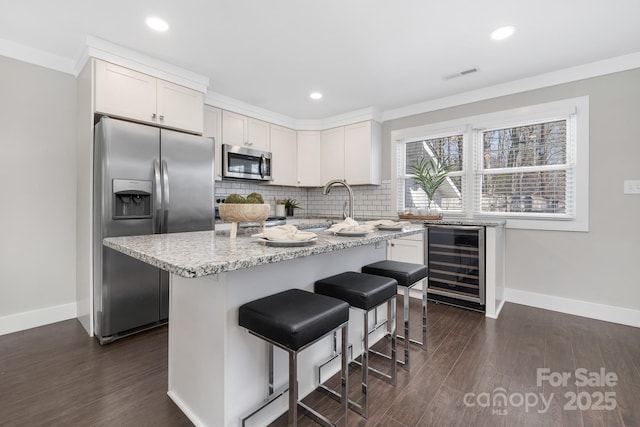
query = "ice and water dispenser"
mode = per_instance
[{"x": 132, "y": 198}]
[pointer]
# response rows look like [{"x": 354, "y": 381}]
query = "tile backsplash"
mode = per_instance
[{"x": 370, "y": 201}]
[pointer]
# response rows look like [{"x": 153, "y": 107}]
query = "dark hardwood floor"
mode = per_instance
[{"x": 56, "y": 375}]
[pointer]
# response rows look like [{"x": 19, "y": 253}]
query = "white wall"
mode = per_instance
[
  {"x": 37, "y": 195},
  {"x": 600, "y": 266}
]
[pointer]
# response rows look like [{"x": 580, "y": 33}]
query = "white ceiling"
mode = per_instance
[{"x": 380, "y": 54}]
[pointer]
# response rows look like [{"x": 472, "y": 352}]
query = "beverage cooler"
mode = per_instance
[{"x": 455, "y": 256}]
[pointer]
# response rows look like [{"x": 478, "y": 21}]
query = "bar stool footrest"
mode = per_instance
[{"x": 336, "y": 396}]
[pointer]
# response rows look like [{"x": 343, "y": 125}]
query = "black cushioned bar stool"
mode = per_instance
[
  {"x": 293, "y": 320},
  {"x": 365, "y": 292},
  {"x": 408, "y": 275}
]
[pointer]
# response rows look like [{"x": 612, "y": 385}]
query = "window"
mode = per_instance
[
  {"x": 528, "y": 166},
  {"x": 526, "y": 169},
  {"x": 449, "y": 149}
]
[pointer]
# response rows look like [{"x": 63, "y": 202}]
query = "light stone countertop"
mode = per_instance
[
  {"x": 202, "y": 253},
  {"x": 477, "y": 222}
]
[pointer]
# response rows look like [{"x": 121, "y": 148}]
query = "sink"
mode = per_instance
[{"x": 314, "y": 228}]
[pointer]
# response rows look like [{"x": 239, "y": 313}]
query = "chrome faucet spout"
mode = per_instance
[{"x": 327, "y": 189}]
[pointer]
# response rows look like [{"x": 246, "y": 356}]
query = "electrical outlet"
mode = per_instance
[{"x": 632, "y": 187}]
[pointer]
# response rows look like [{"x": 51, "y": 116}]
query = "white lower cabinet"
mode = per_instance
[{"x": 407, "y": 249}]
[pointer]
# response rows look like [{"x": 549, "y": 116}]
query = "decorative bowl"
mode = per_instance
[{"x": 241, "y": 212}]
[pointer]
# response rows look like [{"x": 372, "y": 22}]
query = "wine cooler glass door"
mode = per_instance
[{"x": 455, "y": 257}]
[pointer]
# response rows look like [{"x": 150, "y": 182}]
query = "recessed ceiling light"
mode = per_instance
[
  {"x": 157, "y": 24},
  {"x": 315, "y": 95},
  {"x": 503, "y": 32}
]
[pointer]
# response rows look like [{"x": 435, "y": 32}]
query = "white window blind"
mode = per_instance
[
  {"x": 526, "y": 170},
  {"x": 528, "y": 165},
  {"x": 448, "y": 148}
]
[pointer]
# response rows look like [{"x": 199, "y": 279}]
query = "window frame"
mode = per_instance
[
  {"x": 440, "y": 133},
  {"x": 575, "y": 108}
]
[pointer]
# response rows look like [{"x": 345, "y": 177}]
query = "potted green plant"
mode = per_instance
[
  {"x": 290, "y": 205},
  {"x": 430, "y": 173}
]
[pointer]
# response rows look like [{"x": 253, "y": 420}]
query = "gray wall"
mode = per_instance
[
  {"x": 38, "y": 193},
  {"x": 600, "y": 266},
  {"x": 37, "y": 187}
]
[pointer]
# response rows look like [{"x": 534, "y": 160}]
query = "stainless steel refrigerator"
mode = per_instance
[{"x": 146, "y": 180}]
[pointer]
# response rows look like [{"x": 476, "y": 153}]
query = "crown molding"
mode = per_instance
[
  {"x": 224, "y": 102},
  {"x": 116, "y": 54},
  {"x": 35, "y": 56},
  {"x": 218, "y": 100},
  {"x": 566, "y": 75},
  {"x": 351, "y": 117},
  {"x": 107, "y": 51}
]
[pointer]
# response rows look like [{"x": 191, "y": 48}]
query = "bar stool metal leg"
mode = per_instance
[
  {"x": 405, "y": 363},
  {"x": 408, "y": 275},
  {"x": 293, "y": 389},
  {"x": 364, "y": 363},
  {"x": 424, "y": 312}
]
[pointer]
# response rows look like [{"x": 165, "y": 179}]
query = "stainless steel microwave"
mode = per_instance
[{"x": 245, "y": 163}]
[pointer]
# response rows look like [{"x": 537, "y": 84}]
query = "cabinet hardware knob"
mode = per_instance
[
  {"x": 161, "y": 118},
  {"x": 153, "y": 116}
]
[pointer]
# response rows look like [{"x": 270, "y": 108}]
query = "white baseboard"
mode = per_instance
[
  {"x": 608, "y": 313},
  {"x": 31, "y": 319}
]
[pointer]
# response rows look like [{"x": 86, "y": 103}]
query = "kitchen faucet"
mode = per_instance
[{"x": 327, "y": 189}]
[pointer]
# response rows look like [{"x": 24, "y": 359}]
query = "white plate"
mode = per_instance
[
  {"x": 288, "y": 243},
  {"x": 391, "y": 227},
  {"x": 352, "y": 233}
]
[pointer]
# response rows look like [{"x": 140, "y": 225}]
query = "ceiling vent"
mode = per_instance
[{"x": 460, "y": 74}]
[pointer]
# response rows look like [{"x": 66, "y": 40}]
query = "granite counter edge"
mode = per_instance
[{"x": 210, "y": 268}]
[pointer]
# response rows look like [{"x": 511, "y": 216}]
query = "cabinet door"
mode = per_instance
[
  {"x": 407, "y": 249},
  {"x": 285, "y": 156},
  {"x": 332, "y": 154},
  {"x": 212, "y": 128},
  {"x": 308, "y": 158},
  {"x": 124, "y": 93},
  {"x": 362, "y": 154},
  {"x": 179, "y": 107},
  {"x": 234, "y": 128},
  {"x": 258, "y": 136}
]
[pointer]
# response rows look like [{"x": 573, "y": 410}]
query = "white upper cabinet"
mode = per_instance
[
  {"x": 234, "y": 128},
  {"x": 213, "y": 129},
  {"x": 332, "y": 154},
  {"x": 352, "y": 153},
  {"x": 179, "y": 107},
  {"x": 284, "y": 153},
  {"x": 362, "y": 153},
  {"x": 244, "y": 131},
  {"x": 259, "y": 135},
  {"x": 130, "y": 94},
  {"x": 309, "y": 145}
]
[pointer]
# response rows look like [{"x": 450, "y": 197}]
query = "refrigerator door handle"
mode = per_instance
[
  {"x": 157, "y": 223},
  {"x": 165, "y": 197}
]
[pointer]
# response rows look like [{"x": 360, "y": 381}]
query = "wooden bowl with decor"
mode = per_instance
[{"x": 243, "y": 212}]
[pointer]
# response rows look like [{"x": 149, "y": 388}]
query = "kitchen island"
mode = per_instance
[{"x": 218, "y": 371}]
